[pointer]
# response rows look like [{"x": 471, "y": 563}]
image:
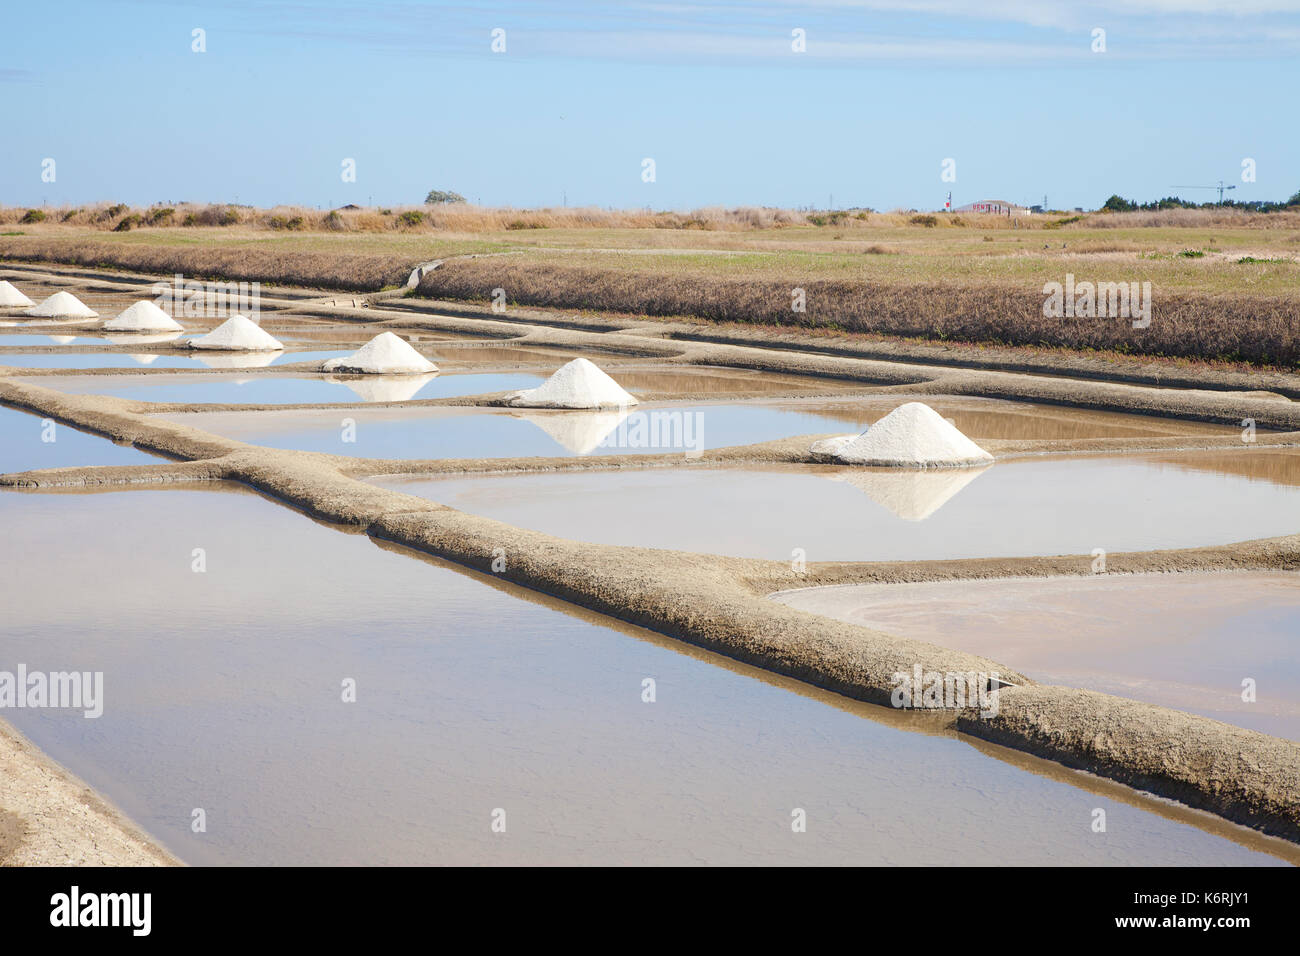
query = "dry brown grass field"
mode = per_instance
[{"x": 1225, "y": 283}]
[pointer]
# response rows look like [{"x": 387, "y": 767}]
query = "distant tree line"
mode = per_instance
[{"x": 1118, "y": 203}]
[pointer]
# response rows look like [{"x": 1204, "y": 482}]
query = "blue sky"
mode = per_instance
[{"x": 713, "y": 92}]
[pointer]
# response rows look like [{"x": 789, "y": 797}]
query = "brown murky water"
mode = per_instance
[
  {"x": 708, "y": 380},
  {"x": 456, "y": 355},
  {"x": 1281, "y": 466},
  {"x": 223, "y": 690},
  {"x": 1186, "y": 641}
]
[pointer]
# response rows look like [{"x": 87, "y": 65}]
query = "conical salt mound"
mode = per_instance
[
  {"x": 911, "y": 436},
  {"x": 237, "y": 334},
  {"x": 142, "y": 317},
  {"x": 385, "y": 354},
  {"x": 579, "y": 384},
  {"x": 11, "y": 298},
  {"x": 62, "y": 305}
]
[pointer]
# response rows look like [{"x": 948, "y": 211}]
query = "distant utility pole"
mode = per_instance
[{"x": 564, "y": 201}]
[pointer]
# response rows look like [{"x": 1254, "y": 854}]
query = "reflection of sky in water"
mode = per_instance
[
  {"x": 1012, "y": 508},
  {"x": 154, "y": 359},
  {"x": 537, "y": 432},
  {"x": 222, "y": 690},
  {"x": 38, "y": 341},
  {"x": 22, "y": 447},
  {"x": 521, "y": 433},
  {"x": 272, "y": 390},
  {"x": 421, "y": 435}
]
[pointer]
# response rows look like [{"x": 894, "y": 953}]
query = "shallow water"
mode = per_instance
[
  {"x": 28, "y": 442},
  {"x": 222, "y": 691},
  {"x": 982, "y": 418},
  {"x": 1280, "y": 466},
  {"x": 73, "y": 336},
  {"x": 77, "y": 360},
  {"x": 287, "y": 390},
  {"x": 482, "y": 433},
  {"x": 1185, "y": 641},
  {"x": 1037, "y": 507}
]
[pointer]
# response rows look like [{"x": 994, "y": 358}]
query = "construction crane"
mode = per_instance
[{"x": 1221, "y": 188}]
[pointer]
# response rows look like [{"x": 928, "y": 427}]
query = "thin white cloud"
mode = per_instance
[
  {"x": 734, "y": 46},
  {"x": 1065, "y": 12},
  {"x": 900, "y": 31}
]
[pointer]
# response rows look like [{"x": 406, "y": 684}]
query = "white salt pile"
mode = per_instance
[
  {"x": 579, "y": 384},
  {"x": 911, "y": 436},
  {"x": 62, "y": 305},
  {"x": 11, "y": 298},
  {"x": 143, "y": 316},
  {"x": 385, "y": 354},
  {"x": 237, "y": 334}
]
